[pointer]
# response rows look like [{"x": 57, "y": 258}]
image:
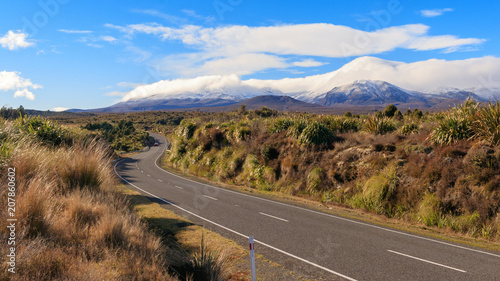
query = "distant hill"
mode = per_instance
[
  {"x": 162, "y": 104},
  {"x": 361, "y": 96},
  {"x": 282, "y": 103}
]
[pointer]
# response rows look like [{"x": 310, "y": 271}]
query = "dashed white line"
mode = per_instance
[
  {"x": 330, "y": 215},
  {"x": 142, "y": 171},
  {"x": 149, "y": 176},
  {"x": 160, "y": 180},
  {"x": 264, "y": 214},
  {"x": 209, "y": 197},
  {"x": 427, "y": 261},
  {"x": 179, "y": 187},
  {"x": 234, "y": 231}
]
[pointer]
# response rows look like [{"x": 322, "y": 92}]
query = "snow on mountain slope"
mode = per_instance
[{"x": 424, "y": 76}]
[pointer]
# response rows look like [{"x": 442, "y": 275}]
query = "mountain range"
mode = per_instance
[
  {"x": 336, "y": 89},
  {"x": 359, "y": 96}
]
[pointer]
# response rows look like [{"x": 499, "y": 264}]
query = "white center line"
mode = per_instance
[
  {"x": 211, "y": 197},
  {"x": 231, "y": 230},
  {"x": 435, "y": 263},
  {"x": 273, "y": 217},
  {"x": 149, "y": 176},
  {"x": 160, "y": 180},
  {"x": 179, "y": 187},
  {"x": 142, "y": 171}
]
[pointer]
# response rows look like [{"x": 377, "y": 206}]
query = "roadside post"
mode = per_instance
[{"x": 252, "y": 258}]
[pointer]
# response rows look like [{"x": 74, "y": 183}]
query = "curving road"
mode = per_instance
[{"x": 318, "y": 245}]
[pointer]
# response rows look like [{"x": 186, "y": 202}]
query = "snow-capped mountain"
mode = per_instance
[
  {"x": 363, "y": 81},
  {"x": 366, "y": 92}
]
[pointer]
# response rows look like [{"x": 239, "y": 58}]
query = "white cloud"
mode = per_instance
[
  {"x": 435, "y": 12},
  {"x": 75, "y": 31},
  {"x": 194, "y": 15},
  {"x": 166, "y": 17},
  {"x": 308, "y": 63},
  {"x": 243, "y": 50},
  {"x": 24, "y": 93},
  {"x": 326, "y": 40},
  {"x": 192, "y": 65},
  {"x": 12, "y": 81},
  {"x": 108, "y": 38},
  {"x": 14, "y": 40},
  {"x": 92, "y": 41},
  {"x": 59, "y": 109},
  {"x": 419, "y": 76}
]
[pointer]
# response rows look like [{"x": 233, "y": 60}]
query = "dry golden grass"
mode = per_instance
[{"x": 72, "y": 223}]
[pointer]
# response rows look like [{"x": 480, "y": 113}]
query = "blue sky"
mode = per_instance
[{"x": 89, "y": 54}]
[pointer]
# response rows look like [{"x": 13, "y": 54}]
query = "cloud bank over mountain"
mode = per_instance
[{"x": 425, "y": 76}]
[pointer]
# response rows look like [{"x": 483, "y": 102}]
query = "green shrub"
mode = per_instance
[
  {"x": 377, "y": 125},
  {"x": 241, "y": 133},
  {"x": 409, "y": 128},
  {"x": 486, "y": 123},
  {"x": 296, "y": 129},
  {"x": 379, "y": 190},
  {"x": 316, "y": 134},
  {"x": 390, "y": 110},
  {"x": 186, "y": 129},
  {"x": 451, "y": 129},
  {"x": 281, "y": 124},
  {"x": 45, "y": 130},
  {"x": 429, "y": 211},
  {"x": 314, "y": 180}
]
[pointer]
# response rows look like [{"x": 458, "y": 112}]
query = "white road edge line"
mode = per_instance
[
  {"x": 330, "y": 215},
  {"x": 209, "y": 197},
  {"x": 234, "y": 231},
  {"x": 179, "y": 187},
  {"x": 273, "y": 217},
  {"x": 427, "y": 261}
]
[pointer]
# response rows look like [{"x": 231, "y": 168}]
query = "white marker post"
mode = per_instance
[
  {"x": 249, "y": 186},
  {"x": 252, "y": 258}
]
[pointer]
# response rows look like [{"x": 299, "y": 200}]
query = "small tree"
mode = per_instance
[{"x": 390, "y": 110}]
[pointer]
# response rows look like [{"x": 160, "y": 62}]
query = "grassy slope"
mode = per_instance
[{"x": 432, "y": 171}]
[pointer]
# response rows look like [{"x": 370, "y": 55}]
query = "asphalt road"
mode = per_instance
[{"x": 315, "y": 244}]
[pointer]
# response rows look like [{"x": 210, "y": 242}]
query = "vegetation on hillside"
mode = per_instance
[
  {"x": 72, "y": 223},
  {"x": 439, "y": 169}
]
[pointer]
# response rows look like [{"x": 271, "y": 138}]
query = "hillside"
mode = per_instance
[{"x": 436, "y": 170}]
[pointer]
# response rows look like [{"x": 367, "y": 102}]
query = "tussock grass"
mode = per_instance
[
  {"x": 72, "y": 223},
  {"x": 486, "y": 123}
]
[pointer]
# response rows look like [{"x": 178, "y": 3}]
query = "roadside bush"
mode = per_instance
[
  {"x": 186, "y": 129},
  {"x": 314, "y": 180},
  {"x": 45, "y": 130}
]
